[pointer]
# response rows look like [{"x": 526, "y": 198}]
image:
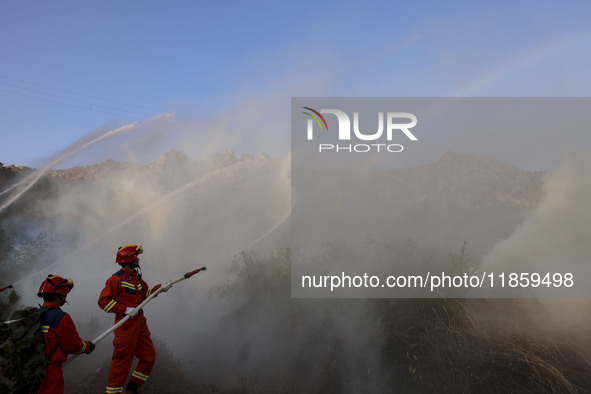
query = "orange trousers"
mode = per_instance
[
  {"x": 54, "y": 380},
  {"x": 131, "y": 340}
]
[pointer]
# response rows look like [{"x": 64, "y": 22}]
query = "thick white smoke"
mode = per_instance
[
  {"x": 185, "y": 212},
  {"x": 193, "y": 213},
  {"x": 554, "y": 238}
]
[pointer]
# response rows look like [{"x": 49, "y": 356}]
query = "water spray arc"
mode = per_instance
[
  {"x": 141, "y": 212},
  {"x": 78, "y": 146}
]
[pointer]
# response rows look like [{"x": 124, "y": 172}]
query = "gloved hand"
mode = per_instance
[
  {"x": 164, "y": 288},
  {"x": 90, "y": 347},
  {"x": 131, "y": 312}
]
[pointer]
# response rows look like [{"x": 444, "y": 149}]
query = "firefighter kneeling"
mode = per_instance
[{"x": 123, "y": 292}]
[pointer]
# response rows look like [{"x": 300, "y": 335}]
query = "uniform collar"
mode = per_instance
[
  {"x": 50, "y": 305},
  {"x": 129, "y": 272}
]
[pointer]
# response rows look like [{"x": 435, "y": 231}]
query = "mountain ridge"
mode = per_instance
[{"x": 458, "y": 178}]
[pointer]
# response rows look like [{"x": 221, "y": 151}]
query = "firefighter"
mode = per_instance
[
  {"x": 59, "y": 332},
  {"x": 124, "y": 291}
]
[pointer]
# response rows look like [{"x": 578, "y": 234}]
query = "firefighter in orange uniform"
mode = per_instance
[
  {"x": 124, "y": 291},
  {"x": 59, "y": 332}
]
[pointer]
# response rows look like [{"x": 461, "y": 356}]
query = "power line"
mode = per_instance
[
  {"x": 58, "y": 102},
  {"x": 79, "y": 94},
  {"x": 43, "y": 99},
  {"x": 89, "y": 104}
]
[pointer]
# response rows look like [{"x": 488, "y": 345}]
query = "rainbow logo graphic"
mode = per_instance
[{"x": 316, "y": 118}]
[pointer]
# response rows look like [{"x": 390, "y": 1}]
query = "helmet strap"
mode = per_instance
[
  {"x": 61, "y": 298},
  {"x": 134, "y": 267}
]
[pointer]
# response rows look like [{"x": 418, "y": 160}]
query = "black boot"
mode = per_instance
[{"x": 132, "y": 388}]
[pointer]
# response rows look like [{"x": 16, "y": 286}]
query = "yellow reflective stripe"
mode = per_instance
[
  {"x": 45, "y": 329},
  {"x": 83, "y": 348},
  {"x": 138, "y": 375},
  {"x": 149, "y": 292},
  {"x": 114, "y": 390},
  {"x": 128, "y": 285},
  {"x": 131, "y": 286},
  {"x": 109, "y": 306}
]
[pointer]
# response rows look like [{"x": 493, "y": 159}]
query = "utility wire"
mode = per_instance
[
  {"x": 67, "y": 104},
  {"x": 89, "y": 104},
  {"x": 79, "y": 94},
  {"x": 43, "y": 99}
]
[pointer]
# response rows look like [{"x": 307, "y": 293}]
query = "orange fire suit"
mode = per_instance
[
  {"x": 125, "y": 289},
  {"x": 61, "y": 338}
]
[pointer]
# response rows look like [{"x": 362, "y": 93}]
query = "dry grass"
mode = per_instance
[
  {"x": 422, "y": 346},
  {"x": 452, "y": 353}
]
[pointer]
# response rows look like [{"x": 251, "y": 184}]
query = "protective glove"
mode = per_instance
[
  {"x": 90, "y": 347},
  {"x": 164, "y": 288},
  {"x": 131, "y": 312}
]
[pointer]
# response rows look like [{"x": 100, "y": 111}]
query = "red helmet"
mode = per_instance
[
  {"x": 128, "y": 253},
  {"x": 55, "y": 284}
]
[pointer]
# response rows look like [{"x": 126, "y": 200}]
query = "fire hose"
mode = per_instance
[{"x": 166, "y": 285}]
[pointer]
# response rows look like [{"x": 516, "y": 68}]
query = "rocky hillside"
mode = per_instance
[
  {"x": 170, "y": 170},
  {"x": 11, "y": 173},
  {"x": 467, "y": 180},
  {"x": 456, "y": 179},
  {"x": 170, "y": 162},
  {"x": 460, "y": 178}
]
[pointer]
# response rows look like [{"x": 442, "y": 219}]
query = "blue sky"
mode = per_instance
[{"x": 228, "y": 69}]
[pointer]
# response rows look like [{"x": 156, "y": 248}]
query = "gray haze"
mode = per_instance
[{"x": 202, "y": 215}]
